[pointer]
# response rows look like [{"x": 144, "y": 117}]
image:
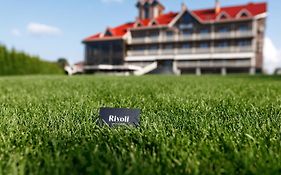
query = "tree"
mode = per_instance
[{"x": 62, "y": 62}]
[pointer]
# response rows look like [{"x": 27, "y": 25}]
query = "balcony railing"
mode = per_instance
[
  {"x": 222, "y": 63},
  {"x": 222, "y": 49},
  {"x": 243, "y": 49},
  {"x": 185, "y": 51},
  {"x": 204, "y": 36},
  {"x": 136, "y": 53},
  {"x": 203, "y": 50},
  {"x": 139, "y": 40},
  {"x": 194, "y": 36},
  {"x": 152, "y": 52},
  {"x": 170, "y": 38},
  {"x": 224, "y": 35},
  {"x": 170, "y": 51},
  {"x": 153, "y": 39},
  {"x": 244, "y": 33}
]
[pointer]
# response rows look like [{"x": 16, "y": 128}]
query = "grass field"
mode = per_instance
[{"x": 189, "y": 125}]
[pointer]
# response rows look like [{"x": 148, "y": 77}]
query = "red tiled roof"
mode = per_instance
[
  {"x": 209, "y": 14},
  {"x": 117, "y": 32},
  {"x": 165, "y": 19},
  {"x": 205, "y": 15}
]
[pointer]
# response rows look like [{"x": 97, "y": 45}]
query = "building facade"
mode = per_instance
[{"x": 216, "y": 40}]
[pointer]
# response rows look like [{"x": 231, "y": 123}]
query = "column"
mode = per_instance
[
  {"x": 198, "y": 71},
  {"x": 252, "y": 71},
  {"x": 223, "y": 71}
]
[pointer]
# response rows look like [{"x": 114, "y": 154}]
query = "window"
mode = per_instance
[
  {"x": 224, "y": 29},
  {"x": 170, "y": 33},
  {"x": 204, "y": 31},
  {"x": 139, "y": 48},
  {"x": 223, "y": 16},
  {"x": 223, "y": 44},
  {"x": 244, "y": 15},
  {"x": 243, "y": 28},
  {"x": 153, "y": 47},
  {"x": 154, "y": 34},
  {"x": 242, "y": 43},
  {"x": 187, "y": 32},
  {"x": 169, "y": 46},
  {"x": 186, "y": 46},
  {"x": 146, "y": 12},
  {"x": 204, "y": 45}
]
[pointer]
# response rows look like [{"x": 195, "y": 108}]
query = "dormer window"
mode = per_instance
[
  {"x": 244, "y": 14},
  {"x": 223, "y": 16},
  {"x": 153, "y": 23}
]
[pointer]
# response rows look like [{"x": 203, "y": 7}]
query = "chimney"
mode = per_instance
[
  {"x": 218, "y": 7},
  {"x": 183, "y": 7}
]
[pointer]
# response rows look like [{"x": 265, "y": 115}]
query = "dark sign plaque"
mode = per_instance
[{"x": 120, "y": 116}]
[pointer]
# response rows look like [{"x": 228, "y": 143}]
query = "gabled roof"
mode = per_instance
[{"x": 203, "y": 16}]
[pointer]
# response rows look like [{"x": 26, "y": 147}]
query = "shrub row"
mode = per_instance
[{"x": 14, "y": 62}]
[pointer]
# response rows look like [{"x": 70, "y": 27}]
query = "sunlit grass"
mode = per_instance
[{"x": 189, "y": 125}]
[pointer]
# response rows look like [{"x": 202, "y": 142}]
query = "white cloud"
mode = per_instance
[
  {"x": 272, "y": 56},
  {"x": 38, "y": 29},
  {"x": 16, "y": 32}
]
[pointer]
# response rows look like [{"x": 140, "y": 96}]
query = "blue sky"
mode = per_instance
[{"x": 55, "y": 28}]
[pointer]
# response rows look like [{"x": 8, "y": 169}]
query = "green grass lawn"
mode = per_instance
[{"x": 189, "y": 125}]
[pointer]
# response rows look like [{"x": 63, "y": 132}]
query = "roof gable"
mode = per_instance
[
  {"x": 222, "y": 16},
  {"x": 244, "y": 13}
]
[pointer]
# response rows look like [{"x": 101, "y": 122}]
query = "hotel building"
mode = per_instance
[{"x": 216, "y": 40}]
